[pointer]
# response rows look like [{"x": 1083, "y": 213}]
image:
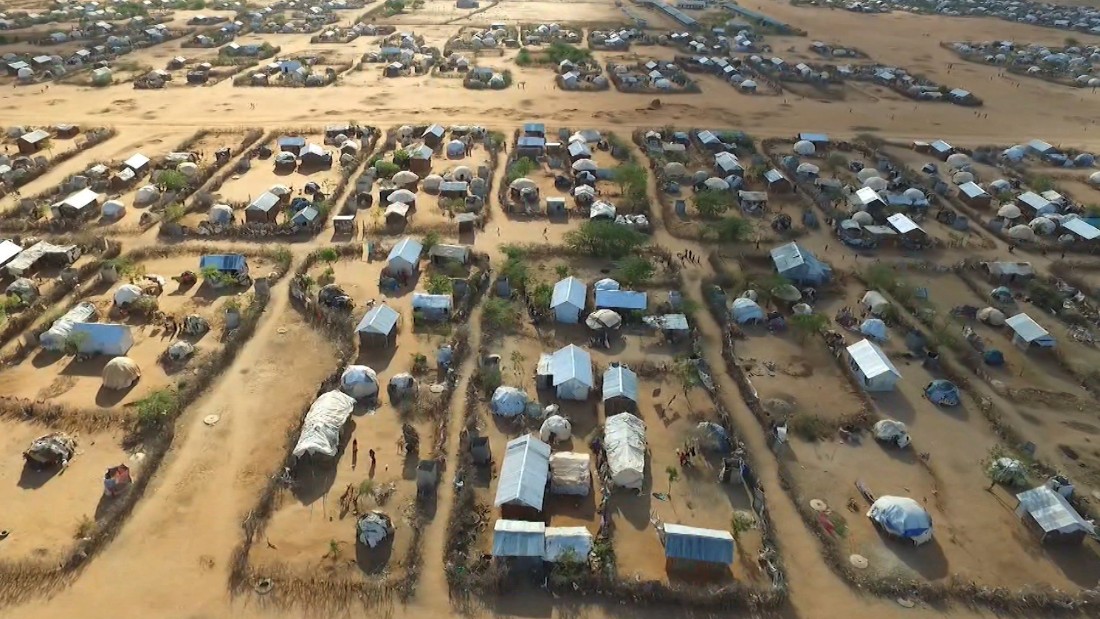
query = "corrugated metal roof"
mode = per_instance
[
  {"x": 1011, "y": 268},
  {"x": 1026, "y": 328},
  {"x": 407, "y": 249},
  {"x": 431, "y": 301},
  {"x": 398, "y": 208},
  {"x": 264, "y": 202},
  {"x": 816, "y": 138},
  {"x": 774, "y": 176},
  {"x": 1081, "y": 228},
  {"x": 518, "y": 538},
  {"x": 866, "y": 195},
  {"x": 564, "y": 541},
  {"x": 381, "y": 320},
  {"x": 871, "y": 360},
  {"x": 569, "y": 290},
  {"x": 695, "y": 544},
  {"x": 524, "y": 473},
  {"x": 902, "y": 223},
  {"x": 941, "y": 146},
  {"x": 454, "y": 252},
  {"x": 1051, "y": 511},
  {"x": 81, "y": 199},
  {"x": 136, "y": 161},
  {"x": 577, "y": 149},
  {"x": 621, "y": 299},
  {"x": 8, "y": 250},
  {"x": 571, "y": 362},
  {"x": 620, "y": 381},
  {"x": 35, "y": 136},
  {"x": 787, "y": 257},
  {"x": 1040, "y": 146},
  {"x": 223, "y": 262},
  {"x": 972, "y": 190},
  {"x": 1033, "y": 200}
]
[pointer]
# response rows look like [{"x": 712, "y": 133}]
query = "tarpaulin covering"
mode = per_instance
[{"x": 324, "y": 422}]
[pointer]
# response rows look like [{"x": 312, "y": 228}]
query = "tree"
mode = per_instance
[
  {"x": 395, "y": 6},
  {"x": 386, "y": 169},
  {"x": 1041, "y": 183},
  {"x": 431, "y": 239},
  {"x": 835, "y": 161},
  {"x": 805, "y": 325},
  {"x": 673, "y": 475},
  {"x": 520, "y": 168},
  {"x": 729, "y": 229},
  {"x": 439, "y": 284},
  {"x": 328, "y": 255},
  {"x": 688, "y": 376},
  {"x": 604, "y": 239},
  {"x": 523, "y": 58},
  {"x": 401, "y": 159},
  {"x": 541, "y": 296},
  {"x": 629, "y": 175},
  {"x": 711, "y": 203},
  {"x": 171, "y": 180},
  {"x": 634, "y": 270}
]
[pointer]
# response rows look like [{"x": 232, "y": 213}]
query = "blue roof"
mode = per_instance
[
  {"x": 407, "y": 249},
  {"x": 694, "y": 544},
  {"x": 795, "y": 262},
  {"x": 287, "y": 140},
  {"x": 519, "y": 538},
  {"x": 381, "y": 320},
  {"x": 571, "y": 362},
  {"x": 524, "y": 473},
  {"x": 104, "y": 338},
  {"x": 223, "y": 262},
  {"x": 529, "y": 141},
  {"x": 569, "y": 290},
  {"x": 453, "y": 186},
  {"x": 620, "y": 381},
  {"x": 436, "y": 130},
  {"x": 816, "y": 138},
  {"x": 534, "y": 128},
  {"x": 621, "y": 299}
]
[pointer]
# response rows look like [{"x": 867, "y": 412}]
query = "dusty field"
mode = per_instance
[{"x": 49, "y": 510}]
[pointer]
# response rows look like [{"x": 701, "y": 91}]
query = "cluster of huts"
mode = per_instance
[
  {"x": 1073, "y": 64},
  {"x": 404, "y": 53},
  {"x": 548, "y": 33},
  {"x": 292, "y": 72},
  {"x": 612, "y": 40},
  {"x": 17, "y": 169},
  {"x": 214, "y": 37},
  {"x": 496, "y": 35},
  {"x": 651, "y": 76},
  {"x": 1081, "y": 18}
]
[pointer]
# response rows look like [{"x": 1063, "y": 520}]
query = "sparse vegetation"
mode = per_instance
[
  {"x": 729, "y": 229},
  {"x": 711, "y": 203},
  {"x": 604, "y": 239},
  {"x": 634, "y": 271},
  {"x": 520, "y": 168},
  {"x": 171, "y": 180},
  {"x": 157, "y": 407},
  {"x": 501, "y": 314},
  {"x": 439, "y": 284}
]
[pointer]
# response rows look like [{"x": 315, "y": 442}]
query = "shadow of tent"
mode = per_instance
[
  {"x": 314, "y": 474},
  {"x": 928, "y": 559},
  {"x": 32, "y": 477},
  {"x": 106, "y": 398},
  {"x": 374, "y": 560}
]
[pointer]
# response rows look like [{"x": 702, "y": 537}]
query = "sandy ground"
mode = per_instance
[{"x": 212, "y": 475}]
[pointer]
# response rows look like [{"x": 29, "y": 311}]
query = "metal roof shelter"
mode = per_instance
[
  {"x": 1010, "y": 269},
  {"x": 572, "y": 542},
  {"x": 405, "y": 256},
  {"x": 458, "y": 253},
  {"x": 1081, "y": 228},
  {"x": 941, "y": 147},
  {"x": 81, "y": 199},
  {"x": 620, "y": 381},
  {"x": 568, "y": 299},
  {"x": 1028, "y": 332},
  {"x": 1039, "y": 147},
  {"x": 695, "y": 544},
  {"x": 1035, "y": 202},
  {"x": 799, "y": 265},
  {"x": 1052, "y": 512},
  {"x": 136, "y": 162},
  {"x": 571, "y": 372},
  {"x": 902, "y": 223},
  {"x": 103, "y": 338},
  {"x": 264, "y": 202},
  {"x": 815, "y": 138},
  {"x": 381, "y": 320},
  {"x": 972, "y": 190},
  {"x": 8, "y": 250},
  {"x": 35, "y": 136},
  {"x": 225, "y": 263},
  {"x": 621, "y": 299},
  {"x": 524, "y": 473},
  {"x": 865, "y": 196},
  {"x": 876, "y": 371},
  {"x": 519, "y": 538}
]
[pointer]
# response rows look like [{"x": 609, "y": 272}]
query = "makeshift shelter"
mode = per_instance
[
  {"x": 902, "y": 517},
  {"x": 120, "y": 373},
  {"x": 519, "y": 539},
  {"x": 264, "y": 209},
  {"x": 405, "y": 256},
  {"x": 1049, "y": 514},
  {"x": 324, "y": 424},
  {"x": 524, "y": 474},
  {"x": 745, "y": 310},
  {"x": 359, "y": 381},
  {"x": 401, "y": 385},
  {"x": 508, "y": 401},
  {"x": 695, "y": 545},
  {"x": 378, "y": 328},
  {"x": 568, "y": 300},
  {"x": 434, "y": 307},
  {"x": 797, "y": 264},
  {"x": 1027, "y": 332},
  {"x": 54, "y": 449},
  {"x": 570, "y": 473},
  {"x": 26, "y": 260},
  {"x": 235, "y": 265},
  {"x": 603, "y": 319},
  {"x": 55, "y": 337},
  {"x": 620, "y": 390},
  {"x": 373, "y": 528},
  {"x": 1007, "y": 471},
  {"x": 991, "y": 316},
  {"x": 890, "y": 431},
  {"x": 872, "y": 368},
  {"x": 571, "y": 369},
  {"x": 567, "y": 543},
  {"x": 874, "y": 302},
  {"x": 555, "y": 429},
  {"x": 23, "y": 289},
  {"x": 8, "y": 251},
  {"x": 97, "y": 338},
  {"x": 942, "y": 392},
  {"x": 180, "y": 349},
  {"x": 625, "y": 445},
  {"x": 127, "y": 294},
  {"x": 621, "y": 300},
  {"x": 874, "y": 328}
]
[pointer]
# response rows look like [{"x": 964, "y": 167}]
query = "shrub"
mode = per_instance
[
  {"x": 604, "y": 239},
  {"x": 401, "y": 159},
  {"x": 520, "y": 168},
  {"x": 563, "y": 51},
  {"x": 157, "y": 407},
  {"x": 73, "y": 343},
  {"x": 439, "y": 284},
  {"x": 729, "y": 229},
  {"x": 328, "y": 255},
  {"x": 712, "y": 203},
  {"x": 174, "y": 212},
  {"x": 386, "y": 169},
  {"x": 501, "y": 314},
  {"x": 489, "y": 379},
  {"x": 805, "y": 325},
  {"x": 523, "y": 58},
  {"x": 634, "y": 270},
  {"x": 420, "y": 363},
  {"x": 542, "y": 295},
  {"x": 431, "y": 239},
  {"x": 171, "y": 180}
]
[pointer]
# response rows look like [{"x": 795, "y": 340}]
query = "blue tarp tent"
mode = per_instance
[
  {"x": 746, "y": 310},
  {"x": 797, "y": 264},
  {"x": 993, "y": 357},
  {"x": 902, "y": 517},
  {"x": 695, "y": 544},
  {"x": 942, "y": 392},
  {"x": 508, "y": 401}
]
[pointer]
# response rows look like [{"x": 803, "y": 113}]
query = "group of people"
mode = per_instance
[{"x": 689, "y": 256}]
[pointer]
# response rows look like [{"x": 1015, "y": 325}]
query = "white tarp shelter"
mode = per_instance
[
  {"x": 625, "y": 444},
  {"x": 875, "y": 302},
  {"x": 902, "y": 517},
  {"x": 519, "y": 538},
  {"x": 872, "y": 367},
  {"x": 573, "y": 543},
  {"x": 570, "y": 473},
  {"x": 1028, "y": 332},
  {"x": 54, "y": 337},
  {"x": 508, "y": 401},
  {"x": 324, "y": 423}
]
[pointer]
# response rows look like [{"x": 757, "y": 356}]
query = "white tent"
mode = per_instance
[
  {"x": 625, "y": 444},
  {"x": 570, "y": 473},
  {"x": 902, "y": 517},
  {"x": 1009, "y": 211},
  {"x": 404, "y": 177},
  {"x": 891, "y": 431},
  {"x": 402, "y": 195},
  {"x": 992, "y": 316},
  {"x": 874, "y": 302},
  {"x": 603, "y": 319},
  {"x": 958, "y": 160},
  {"x": 573, "y": 543},
  {"x": 872, "y": 367},
  {"x": 804, "y": 148},
  {"x": 359, "y": 381},
  {"x": 555, "y": 428},
  {"x": 127, "y": 294},
  {"x": 323, "y": 424},
  {"x": 875, "y": 183},
  {"x": 584, "y": 165},
  {"x": 508, "y": 401},
  {"x": 866, "y": 173},
  {"x": 1021, "y": 233},
  {"x": 220, "y": 214},
  {"x": 181, "y": 349},
  {"x": 873, "y": 328},
  {"x": 54, "y": 338},
  {"x": 120, "y": 373},
  {"x": 113, "y": 209},
  {"x": 746, "y": 310},
  {"x": 606, "y": 284}
]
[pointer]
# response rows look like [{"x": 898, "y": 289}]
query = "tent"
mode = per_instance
[
  {"x": 508, "y": 401},
  {"x": 519, "y": 538},
  {"x": 874, "y": 328},
  {"x": 54, "y": 338},
  {"x": 555, "y": 428},
  {"x": 746, "y": 310},
  {"x": 874, "y": 302},
  {"x": 1028, "y": 332},
  {"x": 359, "y": 381},
  {"x": 25, "y": 289},
  {"x": 942, "y": 392},
  {"x": 180, "y": 349},
  {"x": 1008, "y": 471},
  {"x": 603, "y": 319},
  {"x": 570, "y": 473},
  {"x": 127, "y": 294},
  {"x": 373, "y": 527},
  {"x": 694, "y": 544},
  {"x": 120, "y": 373},
  {"x": 902, "y": 517},
  {"x": 606, "y": 284},
  {"x": 324, "y": 423},
  {"x": 572, "y": 543},
  {"x": 872, "y": 367},
  {"x": 625, "y": 444},
  {"x": 890, "y": 431},
  {"x": 991, "y": 316},
  {"x": 713, "y": 437}
]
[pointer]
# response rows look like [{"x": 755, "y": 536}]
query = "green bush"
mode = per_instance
[
  {"x": 157, "y": 407},
  {"x": 563, "y": 51},
  {"x": 730, "y": 229},
  {"x": 386, "y": 169},
  {"x": 439, "y": 284},
  {"x": 604, "y": 239},
  {"x": 711, "y": 203},
  {"x": 171, "y": 180},
  {"x": 501, "y": 314},
  {"x": 519, "y": 169},
  {"x": 634, "y": 270}
]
